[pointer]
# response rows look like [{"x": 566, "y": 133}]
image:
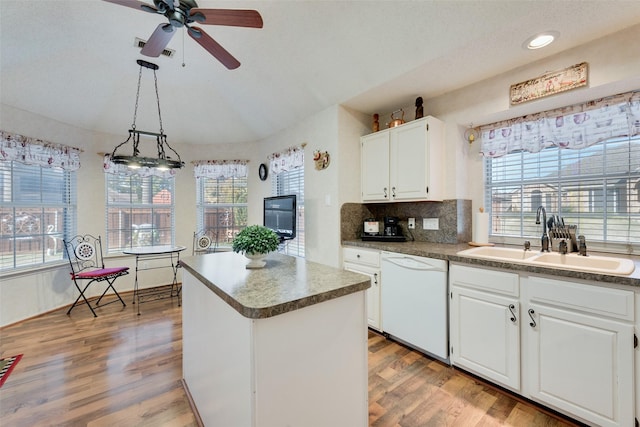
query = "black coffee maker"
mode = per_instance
[{"x": 391, "y": 226}]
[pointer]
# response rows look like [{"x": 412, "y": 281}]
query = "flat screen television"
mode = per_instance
[{"x": 280, "y": 215}]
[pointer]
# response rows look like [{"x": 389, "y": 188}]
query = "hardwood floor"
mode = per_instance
[{"x": 120, "y": 369}]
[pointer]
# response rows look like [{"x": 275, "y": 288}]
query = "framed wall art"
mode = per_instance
[{"x": 549, "y": 84}]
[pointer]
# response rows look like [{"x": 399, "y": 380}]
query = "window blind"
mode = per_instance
[
  {"x": 140, "y": 211},
  {"x": 39, "y": 210},
  {"x": 595, "y": 188},
  {"x": 292, "y": 182},
  {"x": 221, "y": 207}
]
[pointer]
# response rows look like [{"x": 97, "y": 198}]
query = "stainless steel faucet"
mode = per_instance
[{"x": 545, "y": 236}]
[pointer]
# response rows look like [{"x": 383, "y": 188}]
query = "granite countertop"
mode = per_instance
[
  {"x": 449, "y": 252},
  {"x": 285, "y": 284}
]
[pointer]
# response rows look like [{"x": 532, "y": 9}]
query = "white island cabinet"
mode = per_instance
[{"x": 285, "y": 345}]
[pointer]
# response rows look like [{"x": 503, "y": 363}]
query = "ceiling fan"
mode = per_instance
[{"x": 183, "y": 13}]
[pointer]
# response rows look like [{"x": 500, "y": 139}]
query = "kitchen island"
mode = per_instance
[{"x": 284, "y": 345}]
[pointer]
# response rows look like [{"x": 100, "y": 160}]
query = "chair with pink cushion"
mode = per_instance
[{"x": 87, "y": 267}]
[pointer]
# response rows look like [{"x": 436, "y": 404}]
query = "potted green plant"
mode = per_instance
[{"x": 255, "y": 242}]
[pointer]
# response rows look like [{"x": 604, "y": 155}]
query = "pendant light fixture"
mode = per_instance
[{"x": 135, "y": 160}]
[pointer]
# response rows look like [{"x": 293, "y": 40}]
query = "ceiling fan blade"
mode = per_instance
[
  {"x": 158, "y": 40},
  {"x": 135, "y": 4},
  {"x": 214, "y": 48},
  {"x": 229, "y": 17}
]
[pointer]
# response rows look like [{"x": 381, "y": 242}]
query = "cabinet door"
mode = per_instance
[
  {"x": 485, "y": 335},
  {"x": 416, "y": 160},
  {"x": 374, "y": 157},
  {"x": 581, "y": 364},
  {"x": 373, "y": 293}
]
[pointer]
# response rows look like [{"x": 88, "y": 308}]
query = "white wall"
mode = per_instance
[
  {"x": 321, "y": 197},
  {"x": 614, "y": 66}
]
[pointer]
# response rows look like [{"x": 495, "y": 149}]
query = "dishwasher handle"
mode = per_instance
[{"x": 411, "y": 263}]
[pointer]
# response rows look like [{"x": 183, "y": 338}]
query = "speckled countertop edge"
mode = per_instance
[
  {"x": 449, "y": 252},
  {"x": 285, "y": 284}
]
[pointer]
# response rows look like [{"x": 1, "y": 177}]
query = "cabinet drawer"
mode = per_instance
[
  {"x": 616, "y": 303},
  {"x": 484, "y": 279},
  {"x": 361, "y": 256}
]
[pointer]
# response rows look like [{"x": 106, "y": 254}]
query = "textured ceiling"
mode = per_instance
[{"x": 74, "y": 60}]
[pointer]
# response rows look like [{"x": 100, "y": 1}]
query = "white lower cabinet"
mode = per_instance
[
  {"x": 580, "y": 349},
  {"x": 367, "y": 262},
  {"x": 566, "y": 344},
  {"x": 485, "y": 334}
]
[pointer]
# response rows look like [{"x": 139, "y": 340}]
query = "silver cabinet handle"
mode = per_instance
[
  {"x": 385, "y": 193},
  {"x": 512, "y": 308},
  {"x": 375, "y": 279},
  {"x": 393, "y": 191}
]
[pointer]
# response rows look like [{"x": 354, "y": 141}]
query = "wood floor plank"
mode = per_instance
[{"x": 121, "y": 369}]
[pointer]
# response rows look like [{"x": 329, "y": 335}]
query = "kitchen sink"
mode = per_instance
[
  {"x": 572, "y": 261},
  {"x": 499, "y": 253},
  {"x": 594, "y": 263}
]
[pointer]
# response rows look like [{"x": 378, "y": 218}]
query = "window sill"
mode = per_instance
[{"x": 31, "y": 270}]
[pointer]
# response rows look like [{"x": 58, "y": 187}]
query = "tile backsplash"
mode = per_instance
[{"x": 454, "y": 219}]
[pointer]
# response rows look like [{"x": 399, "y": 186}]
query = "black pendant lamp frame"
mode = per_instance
[{"x": 135, "y": 160}]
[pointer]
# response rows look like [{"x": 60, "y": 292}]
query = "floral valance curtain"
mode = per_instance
[
  {"x": 32, "y": 151},
  {"x": 120, "y": 169},
  {"x": 220, "y": 168},
  {"x": 289, "y": 159},
  {"x": 577, "y": 126}
]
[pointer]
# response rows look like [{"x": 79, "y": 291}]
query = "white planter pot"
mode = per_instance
[{"x": 256, "y": 260}]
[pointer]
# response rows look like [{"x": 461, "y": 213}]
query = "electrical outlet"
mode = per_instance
[
  {"x": 411, "y": 223},
  {"x": 431, "y": 223}
]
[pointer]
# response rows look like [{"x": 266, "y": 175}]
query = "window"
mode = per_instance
[
  {"x": 222, "y": 207},
  {"x": 595, "y": 188},
  {"x": 38, "y": 210},
  {"x": 140, "y": 211},
  {"x": 292, "y": 182}
]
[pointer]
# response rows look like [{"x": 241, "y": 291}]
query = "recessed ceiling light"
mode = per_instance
[{"x": 540, "y": 40}]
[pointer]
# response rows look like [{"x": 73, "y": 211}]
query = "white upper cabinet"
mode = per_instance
[
  {"x": 404, "y": 163},
  {"x": 374, "y": 158}
]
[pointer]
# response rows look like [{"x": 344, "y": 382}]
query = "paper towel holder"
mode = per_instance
[{"x": 474, "y": 243}]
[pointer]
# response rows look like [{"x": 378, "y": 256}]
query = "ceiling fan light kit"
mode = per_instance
[
  {"x": 135, "y": 160},
  {"x": 183, "y": 13}
]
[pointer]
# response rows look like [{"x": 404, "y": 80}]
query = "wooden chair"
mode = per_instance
[{"x": 84, "y": 253}]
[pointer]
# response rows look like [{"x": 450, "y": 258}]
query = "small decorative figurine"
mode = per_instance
[
  {"x": 376, "y": 124},
  {"x": 419, "y": 111}
]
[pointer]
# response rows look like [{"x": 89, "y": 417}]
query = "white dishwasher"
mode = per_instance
[{"x": 414, "y": 302}]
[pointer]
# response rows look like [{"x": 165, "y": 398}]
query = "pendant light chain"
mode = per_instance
[
  {"x": 155, "y": 77},
  {"x": 135, "y": 110}
]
